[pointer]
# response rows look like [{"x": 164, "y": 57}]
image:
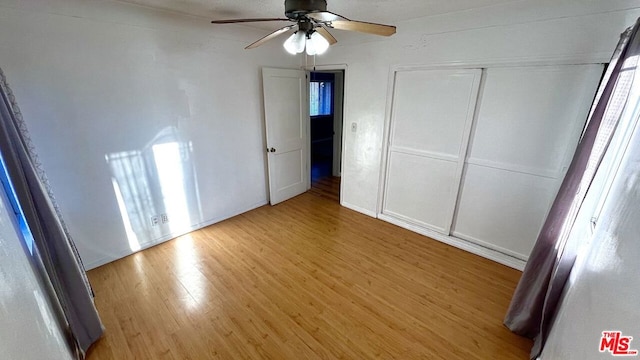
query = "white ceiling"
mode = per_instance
[{"x": 381, "y": 11}]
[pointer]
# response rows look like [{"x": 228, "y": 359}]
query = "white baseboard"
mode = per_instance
[
  {"x": 487, "y": 245},
  {"x": 359, "y": 209},
  {"x": 473, "y": 248}
]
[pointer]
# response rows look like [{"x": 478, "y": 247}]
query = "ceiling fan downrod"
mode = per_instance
[{"x": 298, "y": 9}]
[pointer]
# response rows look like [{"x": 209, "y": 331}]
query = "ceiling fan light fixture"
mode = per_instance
[
  {"x": 295, "y": 43},
  {"x": 316, "y": 44}
]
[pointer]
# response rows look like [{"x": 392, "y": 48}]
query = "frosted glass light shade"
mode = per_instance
[
  {"x": 295, "y": 43},
  {"x": 317, "y": 44}
]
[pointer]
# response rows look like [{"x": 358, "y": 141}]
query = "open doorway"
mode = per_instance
[{"x": 326, "y": 93}]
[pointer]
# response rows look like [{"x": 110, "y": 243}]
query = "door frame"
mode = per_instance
[{"x": 328, "y": 68}]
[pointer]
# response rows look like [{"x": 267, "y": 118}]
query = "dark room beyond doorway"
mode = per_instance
[{"x": 325, "y": 110}]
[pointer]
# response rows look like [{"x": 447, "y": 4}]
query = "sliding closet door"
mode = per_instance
[
  {"x": 528, "y": 124},
  {"x": 431, "y": 117}
]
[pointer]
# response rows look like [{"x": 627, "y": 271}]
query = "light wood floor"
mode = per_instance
[
  {"x": 306, "y": 279},
  {"x": 327, "y": 186}
]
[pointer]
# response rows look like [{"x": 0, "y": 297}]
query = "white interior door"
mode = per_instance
[
  {"x": 286, "y": 118},
  {"x": 430, "y": 124}
]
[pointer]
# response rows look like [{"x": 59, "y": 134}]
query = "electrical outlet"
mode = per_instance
[
  {"x": 164, "y": 218},
  {"x": 155, "y": 220}
]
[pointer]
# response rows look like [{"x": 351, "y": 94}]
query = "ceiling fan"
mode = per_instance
[{"x": 310, "y": 29}]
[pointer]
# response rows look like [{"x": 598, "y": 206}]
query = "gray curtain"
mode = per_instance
[
  {"x": 60, "y": 260},
  {"x": 536, "y": 297}
]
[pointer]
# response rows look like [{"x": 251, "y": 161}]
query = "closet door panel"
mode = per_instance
[
  {"x": 418, "y": 188},
  {"x": 530, "y": 118},
  {"x": 431, "y": 119},
  {"x": 431, "y": 109},
  {"x": 528, "y": 124},
  {"x": 503, "y": 209}
]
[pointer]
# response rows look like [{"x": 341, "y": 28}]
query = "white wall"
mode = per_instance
[
  {"x": 522, "y": 32},
  {"x": 95, "y": 78},
  {"x": 29, "y": 327}
]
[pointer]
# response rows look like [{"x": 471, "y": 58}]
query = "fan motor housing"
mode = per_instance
[{"x": 297, "y": 9}]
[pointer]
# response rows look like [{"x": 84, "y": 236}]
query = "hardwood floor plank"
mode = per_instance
[
  {"x": 327, "y": 187},
  {"x": 386, "y": 285},
  {"x": 311, "y": 300},
  {"x": 332, "y": 298},
  {"x": 306, "y": 279},
  {"x": 266, "y": 291}
]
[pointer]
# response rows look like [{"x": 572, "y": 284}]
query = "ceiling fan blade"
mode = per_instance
[
  {"x": 233, "y": 21},
  {"x": 271, "y": 36},
  {"x": 325, "y": 16},
  {"x": 326, "y": 34},
  {"x": 365, "y": 27}
]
